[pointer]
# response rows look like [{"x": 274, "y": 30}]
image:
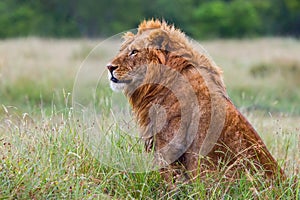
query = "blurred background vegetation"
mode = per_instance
[{"x": 200, "y": 19}]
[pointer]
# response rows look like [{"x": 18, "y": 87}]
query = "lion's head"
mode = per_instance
[{"x": 154, "y": 43}]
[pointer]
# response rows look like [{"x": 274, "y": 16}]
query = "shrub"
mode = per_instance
[{"x": 222, "y": 19}]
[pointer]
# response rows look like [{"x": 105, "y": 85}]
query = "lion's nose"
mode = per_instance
[{"x": 111, "y": 68}]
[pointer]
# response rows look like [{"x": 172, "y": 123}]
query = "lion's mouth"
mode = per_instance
[{"x": 115, "y": 80}]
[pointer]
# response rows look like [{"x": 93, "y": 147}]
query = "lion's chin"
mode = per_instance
[
  {"x": 117, "y": 87},
  {"x": 116, "y": 84}
]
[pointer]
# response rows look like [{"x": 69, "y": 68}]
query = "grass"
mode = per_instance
[
  {"x": 46, "y": 159},
  {"x": 43, "y": 154}
]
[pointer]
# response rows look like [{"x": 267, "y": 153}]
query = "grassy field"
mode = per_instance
[{"x": 42, "y": 155}]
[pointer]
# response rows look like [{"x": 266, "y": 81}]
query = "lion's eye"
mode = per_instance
[{"x": 133, "y": 52}]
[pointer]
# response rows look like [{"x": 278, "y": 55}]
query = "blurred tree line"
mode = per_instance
[{"x": 99, "y": 18}]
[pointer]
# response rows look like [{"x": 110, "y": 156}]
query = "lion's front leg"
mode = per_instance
[{"x": 174, "y": 175}]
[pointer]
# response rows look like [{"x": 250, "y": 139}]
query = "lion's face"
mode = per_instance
[{"x": 130, "y": 65}]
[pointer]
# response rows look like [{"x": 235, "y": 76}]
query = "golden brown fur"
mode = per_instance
[{"x": 164, "y": 107}]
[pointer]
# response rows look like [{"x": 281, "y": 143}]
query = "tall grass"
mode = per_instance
[
  {"x": 44, "y": 157},
  {"x": 42, "y": 154}
]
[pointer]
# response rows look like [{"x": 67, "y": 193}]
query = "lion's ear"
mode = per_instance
[
  {"x": 159, "y": 39},
  {"x": 127, "y": 35}
]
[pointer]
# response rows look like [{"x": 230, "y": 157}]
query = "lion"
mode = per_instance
[{"x": 180, "y": 102}]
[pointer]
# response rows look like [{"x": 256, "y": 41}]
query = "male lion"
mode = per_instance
[{"x": 180, "y": 102}]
